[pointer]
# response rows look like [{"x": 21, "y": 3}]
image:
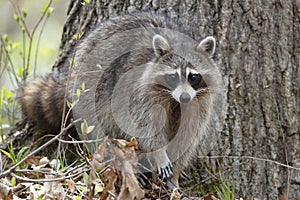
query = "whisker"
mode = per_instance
[{"x": 208, "y": 89}]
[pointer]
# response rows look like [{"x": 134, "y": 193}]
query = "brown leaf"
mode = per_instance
[
  {"x": 210, "y": 197},
  {"x": 97, "y": 162},
  {"x": 126, "y": 161},
  {"x": 71, "y": 184},
  {"x": 124, "y": 144},
  {"x": 130, "y": 187},
  {"x": 132, "y": 143},
  {"x": 110, "y": 186},
  {"x": 34, "y": 160},
  {"x": 175, "y": 195},
  {"x": 5, "y": 192},
  {"x": 54, "y": 188},
  {"x": 119, "y": 179}
]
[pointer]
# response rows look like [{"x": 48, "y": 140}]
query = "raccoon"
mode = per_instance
[{"x": 144, "y": 77}]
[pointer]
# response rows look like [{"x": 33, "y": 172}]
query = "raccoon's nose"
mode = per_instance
[{"x": 184, "y": 97}]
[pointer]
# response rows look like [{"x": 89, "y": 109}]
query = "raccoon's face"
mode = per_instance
[
  {"x": 175, "y": 75},
  {"x": 184, "y": 83}
]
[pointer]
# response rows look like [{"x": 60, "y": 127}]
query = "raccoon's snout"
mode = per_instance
[
  {"x": 184, "y": 97},
  {"x": 183, "y": 93}
]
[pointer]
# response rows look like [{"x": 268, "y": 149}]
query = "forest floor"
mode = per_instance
[{"x": 109, "y": 174}]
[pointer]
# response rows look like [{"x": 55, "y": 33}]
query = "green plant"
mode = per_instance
[
  {"x": 8, "y": 113},
  {"x": 15, "y": 158},
  {"x": 10, "y": 53},
  {"x": 11, "y": 154},
  {"x": 225, "y": 191}
]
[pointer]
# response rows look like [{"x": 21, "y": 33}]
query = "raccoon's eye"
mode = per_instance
[
  {"x": 171, "y": 77},
  {"x": 194, "y": 80},
  {"x": 172, "y": 80}
]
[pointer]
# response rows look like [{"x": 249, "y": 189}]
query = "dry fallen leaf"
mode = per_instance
[
  {"x": 71, "y": 184},
  {"x": 130, "y": 187},
  {"x": 97, "y": 163},
  {"x": 110, "y": 186},
  {"x": 5, "y": 192},
  {"x": 54, "y": 188},
  {"x": 34, "y": 160},
  {"x": 210, "y": 197},
  {"x": 175, "y": 195},
  {"x": 118, "y": 180},
  {"x": 126, "y": 161}
]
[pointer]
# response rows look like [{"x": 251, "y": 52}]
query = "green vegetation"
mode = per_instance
[
  {"x": 225, "y": 191},
  {"x": 15, "y": 158},
  {"x": 18, "y": 62}
]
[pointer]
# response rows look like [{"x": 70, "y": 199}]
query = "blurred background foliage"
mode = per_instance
[{"x": 30, "y": 33}]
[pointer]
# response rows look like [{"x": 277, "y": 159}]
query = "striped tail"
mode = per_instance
[{"x": 42, "y": 101}]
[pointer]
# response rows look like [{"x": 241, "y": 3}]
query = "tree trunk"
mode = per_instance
[{"x": 258, "y": 54}]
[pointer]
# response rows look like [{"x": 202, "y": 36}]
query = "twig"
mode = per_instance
[
  {"x": 39, "y": 148},
  {"x": 38, "y": 46},
  {"x": 48, "y": 179},
  {"x": 80, "y": 142},
  {"x": 53, "y": 173},
  {"x": 18, "y": 11},
  {"x": 252, "y": 158},
  {"x": 41, "y": 18},
  {"x": 9, "y": 60},
  {"x": 73, "y": 169},
  {"x": 32, "y": 34}
]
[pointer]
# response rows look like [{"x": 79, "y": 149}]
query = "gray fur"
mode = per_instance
[{"x": 127, "y": 98}]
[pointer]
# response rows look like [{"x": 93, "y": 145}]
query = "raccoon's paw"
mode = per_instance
[
  {"x": 165, "y": 171},
  {"x": 163, "y": 164}
]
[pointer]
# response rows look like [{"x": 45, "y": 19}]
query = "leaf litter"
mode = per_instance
[{"x": 111, "y": 174}]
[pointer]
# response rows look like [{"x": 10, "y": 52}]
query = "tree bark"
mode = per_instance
[{"x": 258, "y": 54}]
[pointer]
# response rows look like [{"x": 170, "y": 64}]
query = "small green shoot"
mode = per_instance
[
  {"x": 83, "y": 187},
  {"x": 78, "y": 198},
  {"x": 85, "y": 2},
  {"x": 15, "y": 158},
  {"x": 47, "y": 10},
  {"x": 85, "y": 128},
  {"x": 12, "y": 156},
  {"x": 225, "y": 191},
  {"x": 24, "y": 12},
  {"x": 83, "y": 86},
  {"x": 78, "y": 36},
  {"x": 99, "y": 66},
  {"x": 85, "y": 178},
  {"x": 78, "y": 92}
]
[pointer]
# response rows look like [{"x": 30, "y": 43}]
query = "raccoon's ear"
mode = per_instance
[
  {"x": 208, "y": 45},
  {"x": 160, "y": 45}
]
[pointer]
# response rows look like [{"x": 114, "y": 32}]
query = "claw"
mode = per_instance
[
  {"x": 159, "y": 172},
  {"x": 163, "y": 164},
  {"x": 165, "y": 172},
  {"x": 170, "y": 170}
]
